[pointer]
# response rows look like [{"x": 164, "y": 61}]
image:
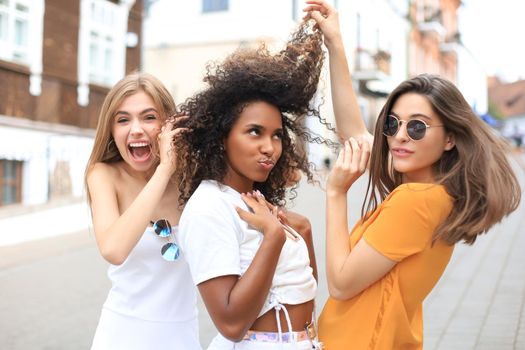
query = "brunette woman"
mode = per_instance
[{"x": 438, "y": 176}]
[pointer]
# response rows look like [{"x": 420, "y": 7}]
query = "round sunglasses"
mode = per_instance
[
  {"x": 416, "y": 128},
  {"x": 162, "y": 228}
]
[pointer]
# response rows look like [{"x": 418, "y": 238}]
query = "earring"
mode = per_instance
[{"x": 108, "y": 148}]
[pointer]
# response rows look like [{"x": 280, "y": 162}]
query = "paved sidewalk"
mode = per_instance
[
  {"x": 49, "y": 221},
  {"x": 52, "y": 289},
  {"x": 479, "y": 302}
]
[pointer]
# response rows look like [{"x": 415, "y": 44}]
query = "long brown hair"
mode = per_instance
[
  {"x": 104, "y": 148},
  {"x": 475, "y": 173}
]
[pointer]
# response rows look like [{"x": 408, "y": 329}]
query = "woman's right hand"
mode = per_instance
[
  {"x": 262, "y": 218},
  {"x": 327, "y": 19},
  {"x": 350, "y": 165},
  {"x": 168, "y": 132}
]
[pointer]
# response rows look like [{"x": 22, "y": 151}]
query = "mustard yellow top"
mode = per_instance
[{"x": 388, "y": 314}]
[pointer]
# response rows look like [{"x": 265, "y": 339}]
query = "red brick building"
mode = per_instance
[{"x": 58, "y": 59}]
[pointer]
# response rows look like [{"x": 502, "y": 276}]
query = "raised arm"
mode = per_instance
[
  {"x": 346, "y": 109},
  {"x": 232, "y": 302},
  {"x": 116, "y": 233}
]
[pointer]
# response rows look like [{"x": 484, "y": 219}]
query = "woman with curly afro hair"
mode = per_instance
[{"x": 255, "y": 273}]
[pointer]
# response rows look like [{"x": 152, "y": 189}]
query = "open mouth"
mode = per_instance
[{"x": 140, "y": 151}]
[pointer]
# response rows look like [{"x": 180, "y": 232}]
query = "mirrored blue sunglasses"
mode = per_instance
[{"x": 162, "y": 228}]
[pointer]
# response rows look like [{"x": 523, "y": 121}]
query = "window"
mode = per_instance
[
  {"x": 102, "y": 38},
  {"x": 21, "y": 37},
  {"x": 102, "y": 44},
  {"x": 14, "y": 30},
  {"x": 10, "y": 181},
  {"x": 214, "y": 5}
]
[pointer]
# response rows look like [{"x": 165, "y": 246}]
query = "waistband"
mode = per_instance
[{"x": 309, "y": 333}]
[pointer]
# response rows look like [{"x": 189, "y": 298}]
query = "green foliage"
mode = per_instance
[{"x": 495, "y": 111}]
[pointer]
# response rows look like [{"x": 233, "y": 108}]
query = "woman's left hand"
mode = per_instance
[
  {"x": 168, "y": 132},
  {"x": 350, "y": 165}
]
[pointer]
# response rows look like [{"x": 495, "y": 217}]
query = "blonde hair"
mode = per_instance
[
  {"x": 104, "y": 148},
  {"x": 475, "y": 173}
]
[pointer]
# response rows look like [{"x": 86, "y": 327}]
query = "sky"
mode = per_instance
[{"x": 492, "y": 31}]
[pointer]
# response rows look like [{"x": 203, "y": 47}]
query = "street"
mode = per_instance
[{"x": 52, "y": 289}]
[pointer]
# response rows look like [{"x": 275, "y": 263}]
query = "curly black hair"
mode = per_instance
[{"x": 287, "y": 80}]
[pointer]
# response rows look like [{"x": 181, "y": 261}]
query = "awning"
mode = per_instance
[{"x": 22, "y": 144}]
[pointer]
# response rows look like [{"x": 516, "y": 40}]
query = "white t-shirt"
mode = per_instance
[{"x": 217, "y": 242}]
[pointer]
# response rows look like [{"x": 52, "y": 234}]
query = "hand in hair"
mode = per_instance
[
  {"x": 165, "y": 138},
  {"x": 350, "y": 165},
  {"x": 327, "y": 19},
  {"x": 346, "y": 109}
]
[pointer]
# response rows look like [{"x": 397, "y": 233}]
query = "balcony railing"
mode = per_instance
[
  {"x": 372, "y": 67},
  {"x": 434, "y": 27},
  {"x": 432, "y": 23}
]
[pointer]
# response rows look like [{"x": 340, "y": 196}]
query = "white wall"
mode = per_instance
[
  {"x": 472, "y": 81},
  {"x": 180, "y": 40},
  {"x": 182, "y": 22},
  {"x": 472, "y": 77},
  {"x": 40, "y": 150}
]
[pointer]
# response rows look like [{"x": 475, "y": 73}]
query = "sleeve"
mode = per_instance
[
  {"x": 404, "y": 226},
  {"x": 210, "y": 245}
]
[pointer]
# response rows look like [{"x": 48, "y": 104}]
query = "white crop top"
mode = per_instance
[
  {"x": 150, "y": 288},
  {"x": 217, "y": 242}
]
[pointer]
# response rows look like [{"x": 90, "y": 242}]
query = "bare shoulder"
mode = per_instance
[{"x": 100, "y": 171}]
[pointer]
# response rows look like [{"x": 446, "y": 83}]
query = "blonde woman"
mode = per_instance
[{"x": 152, "y": 302}]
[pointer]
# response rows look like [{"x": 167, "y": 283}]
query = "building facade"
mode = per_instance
[
  {"x": 508, "y": 105},
  {"x": 375, "y": 32},
  {"x": 434, "y": 37},
  {"x": 58, "y": 59},
  {"x": 387, "y": 41}
]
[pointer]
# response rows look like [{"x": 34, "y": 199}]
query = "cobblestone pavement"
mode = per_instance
[{"x": 51, "y": 290}]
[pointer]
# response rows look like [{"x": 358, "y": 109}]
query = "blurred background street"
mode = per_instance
[
  {"x": 52, "y": 289},
  {"x": 59, "y": 58}
]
